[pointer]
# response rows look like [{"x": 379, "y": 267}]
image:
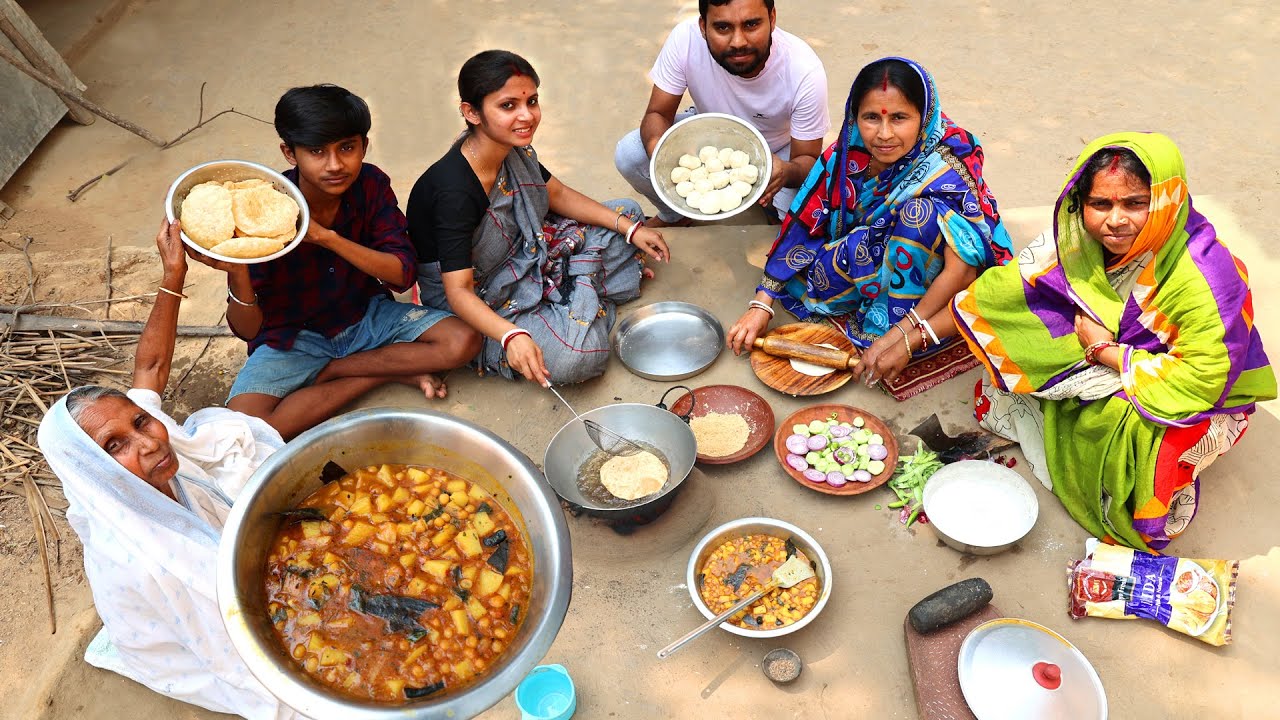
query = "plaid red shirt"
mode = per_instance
[{"x": 315, "y": 289}]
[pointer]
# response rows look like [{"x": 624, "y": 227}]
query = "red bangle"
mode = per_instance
[
  {"x": 631, "y": 231},
  {"x": 511, "y": 335},
  {"x": 1091, "y": 352}
]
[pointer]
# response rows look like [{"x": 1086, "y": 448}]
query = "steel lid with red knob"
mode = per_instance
[{"x": 1011, "y": 669}]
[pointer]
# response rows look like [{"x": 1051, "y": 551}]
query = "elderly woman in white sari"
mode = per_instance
[{"x": 148, "y": 498}]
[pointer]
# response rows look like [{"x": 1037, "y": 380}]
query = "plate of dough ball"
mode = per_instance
[
  {"x": 711, "y": 166},
  {"x": 238, "y": 211}
]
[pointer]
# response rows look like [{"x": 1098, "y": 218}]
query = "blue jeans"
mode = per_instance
[{"x": 274, "y": 372}]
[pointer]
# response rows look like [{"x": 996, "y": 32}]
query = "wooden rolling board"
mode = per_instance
[
  {"x": 932, "y": 659},
  {"x": 777, "y": 373}
]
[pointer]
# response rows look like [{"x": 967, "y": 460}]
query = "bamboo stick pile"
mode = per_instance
[{"x": 37, "y": 368}]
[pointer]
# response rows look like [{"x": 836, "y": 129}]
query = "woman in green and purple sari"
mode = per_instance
[{"x": 1120, "y": 349}]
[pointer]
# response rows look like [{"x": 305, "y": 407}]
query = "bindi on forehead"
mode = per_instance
[{"x": 1114, "y": 167}]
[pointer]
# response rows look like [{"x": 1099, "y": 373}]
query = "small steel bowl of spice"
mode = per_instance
[{"x": 781, "y": 665}]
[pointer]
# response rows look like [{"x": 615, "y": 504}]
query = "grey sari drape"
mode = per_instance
[{"x": 557, "y": 278}]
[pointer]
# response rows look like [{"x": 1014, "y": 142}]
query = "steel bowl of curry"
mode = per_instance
[
  {"x": 394, "y": 562},
  {"x": 738, "y": 558}
]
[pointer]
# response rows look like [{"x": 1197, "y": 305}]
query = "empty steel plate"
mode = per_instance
[{"x": 669, "y": 340}]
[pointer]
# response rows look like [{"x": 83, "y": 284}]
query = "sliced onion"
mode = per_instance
[
  {"x": 798, "y": 444},
  {"x": 840, "y": 431},
  {"x": 861, "y": 476},
  {"x": 844, "y": 455},
  {"x": 816, "y": 442},
  {"x": 797, "y": 463},
  {"x": 877, "y": 452},
  {"x": 816, "y": 476},
  {"x": 836, "y": 479}
]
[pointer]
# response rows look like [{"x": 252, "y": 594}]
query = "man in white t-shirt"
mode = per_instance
[{"x": 733, "y": 59}]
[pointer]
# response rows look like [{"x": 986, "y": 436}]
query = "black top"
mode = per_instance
[{"x": 444, "y": 209}]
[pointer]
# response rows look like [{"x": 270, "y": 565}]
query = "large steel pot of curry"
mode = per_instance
[{"x": 398, "y": 436}]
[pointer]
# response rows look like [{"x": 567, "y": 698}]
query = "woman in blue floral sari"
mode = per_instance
[{"x": 891, "y": 223}]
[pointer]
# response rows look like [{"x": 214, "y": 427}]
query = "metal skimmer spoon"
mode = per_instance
[{"x": 604, "y": 438}]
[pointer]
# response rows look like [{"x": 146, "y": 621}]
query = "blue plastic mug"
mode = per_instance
[{"x": 547, "y": 694}]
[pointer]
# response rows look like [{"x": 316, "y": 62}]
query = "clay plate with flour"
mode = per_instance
[{"x": 731, "y": 399}]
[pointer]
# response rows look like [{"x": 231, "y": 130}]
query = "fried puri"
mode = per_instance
[
  {"x": 262, "y": 211},
  {"x": 207, "y": 217},
  {"x": 250, "y": 247}
]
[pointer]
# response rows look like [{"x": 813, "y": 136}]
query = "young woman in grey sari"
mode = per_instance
[{"x": 535, "y": 266}]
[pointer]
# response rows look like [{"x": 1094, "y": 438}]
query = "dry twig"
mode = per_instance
[
  {"x": 69, "y": 95},
  {"x": 177, "y": 388},
  {"x": 201, "y": 121},
  {"x": 39, "y": 511},
  {"x": 31, "y": 269},
  {"x": 108, "y": 278}
]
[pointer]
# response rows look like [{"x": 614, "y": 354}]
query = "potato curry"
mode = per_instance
[
  {"x": 397, "y": 582},
  {"x": 742, "y": 566}
]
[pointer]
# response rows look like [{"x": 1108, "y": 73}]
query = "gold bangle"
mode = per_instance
[
  {"x": 906, "y": 340},
  {"x": 174, "y": 293}
]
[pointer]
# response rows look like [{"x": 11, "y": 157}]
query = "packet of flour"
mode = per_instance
[{"x": 1191, "y": 596}]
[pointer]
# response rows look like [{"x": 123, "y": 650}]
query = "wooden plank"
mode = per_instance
[
  {"x": 42, "y": 323},
  {"x": 28, "y": 111},
  {"x": 31, "y": 43}
]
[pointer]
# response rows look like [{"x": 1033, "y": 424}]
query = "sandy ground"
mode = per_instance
[{"x": 1034, "y": 82}]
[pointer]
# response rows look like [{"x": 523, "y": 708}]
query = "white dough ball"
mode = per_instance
[
  {"x": 735, "y": 175},
  {"x": 698, "y": 174},
  {"x": 703, "y": 186},
  {"x": 743, "y": 189},
  {"x": 750, "y": 173},
  {"x": 729, "y": 200},
  {"x": 710, "y": 203},
  {"x": 708, "y": 153},
  {"x": 693, "y": 199},
  {"x": 719, "y": 179},
  {"x": 713, "y": 166},
  {"x": 738, "y": 159},
  {"x": 726, "y": 154},
  {"x": 683, "y": 189},
  {"x": 679, "y": 174},
  {"x": 690, "y": 162}
]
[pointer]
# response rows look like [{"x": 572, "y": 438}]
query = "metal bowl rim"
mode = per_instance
[
  {"x": 293, "y": 190},
  {"x": 678, "y": 205},
  {"x": 281, "y": 682},
  {"x": 635, "y": 503},
  {"x": 824, "y": 594},
  {"x": 977, "y": 548}
]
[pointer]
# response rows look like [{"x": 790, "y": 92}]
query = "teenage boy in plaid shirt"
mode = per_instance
[{"x": 321, "y": 322}]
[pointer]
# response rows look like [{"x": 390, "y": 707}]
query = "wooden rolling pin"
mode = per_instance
[{"x": 815, "y": 354}]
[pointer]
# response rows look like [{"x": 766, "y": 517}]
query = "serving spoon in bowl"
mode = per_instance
[{"x": 788, "y": 574}]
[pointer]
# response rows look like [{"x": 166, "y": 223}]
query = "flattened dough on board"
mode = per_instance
[
  {"x": 206, "y": 214},
  {"x": 810, "y": 369},
  {"x": 263, "y": 211},
  {"x": 631, "y": 477}
]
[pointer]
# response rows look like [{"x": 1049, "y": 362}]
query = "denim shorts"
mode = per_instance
[{"x": 277, "y": 373}]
